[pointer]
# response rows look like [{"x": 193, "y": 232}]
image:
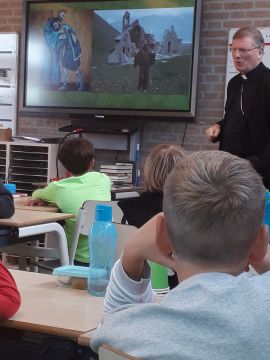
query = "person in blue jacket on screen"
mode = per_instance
[{"x": 64, "y": 52}]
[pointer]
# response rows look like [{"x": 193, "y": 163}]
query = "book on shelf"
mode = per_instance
[
  {"x": 119, "y": 176},
  {"x": 119, "y": 172},
  {"x": 26, "y": 139},
  {"x": 122, "y": 179},
  {"x": 122, "y": 187},
  {"x": 117, "y": 166},
  {"x": 116, "y": 171}
]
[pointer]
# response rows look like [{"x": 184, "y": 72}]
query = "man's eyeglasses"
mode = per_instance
[{"x": 242, "y": 51}]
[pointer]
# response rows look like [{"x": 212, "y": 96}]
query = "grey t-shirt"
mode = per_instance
[{"x": 208, "y": 316}]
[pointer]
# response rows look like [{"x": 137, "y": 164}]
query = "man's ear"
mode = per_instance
[
  {"x": 261, "y": 53},
  {"x": 260, "y": 245},
  {"x": 162, "y": 238}
]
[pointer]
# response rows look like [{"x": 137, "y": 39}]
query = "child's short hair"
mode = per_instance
[
  {"x": 76, "y": 154},
  {"x": 214, "y": 205}
]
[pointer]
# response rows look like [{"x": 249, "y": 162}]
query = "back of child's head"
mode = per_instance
[
  {"x": 77, "y": 155},
  {"x": 159, "y": 163},
  {"x": 213, "y": 205}
]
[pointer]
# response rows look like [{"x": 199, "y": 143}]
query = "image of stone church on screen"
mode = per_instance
[{"x": 131, "y": 40}]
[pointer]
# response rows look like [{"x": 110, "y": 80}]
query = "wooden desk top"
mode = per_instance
[
  {"x": 50, "y": 308},
  {"x": 20, "y": 204},
  {"x": 23, "y": 218}
]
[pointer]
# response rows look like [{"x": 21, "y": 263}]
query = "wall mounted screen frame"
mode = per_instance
[{"x": 131, "y": 58}]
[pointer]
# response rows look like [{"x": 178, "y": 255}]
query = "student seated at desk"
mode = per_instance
[
  {"x": 159, "y": 163},
  {"x": 6, "y": 202},
  {"x": 77, "y": 156},
  {"x": 210, "y": 231},
  {"x": 10, "y": 300}
]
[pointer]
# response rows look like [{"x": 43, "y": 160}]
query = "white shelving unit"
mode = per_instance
[
  {"x": 3, "y": 161},
  {"x": 9, "y": 43},
  {"x": 26, "y": 164}
]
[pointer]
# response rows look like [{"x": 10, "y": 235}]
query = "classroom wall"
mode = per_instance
[{"x": 218, "y": 16}]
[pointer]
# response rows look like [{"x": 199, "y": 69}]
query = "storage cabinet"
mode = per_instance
[
  {"x": 27, "y": 164},
  {"x": 3, "y": 161},
  {"x": 9, "y": 50}
]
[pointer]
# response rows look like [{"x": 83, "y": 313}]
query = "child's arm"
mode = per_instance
[
  {"x": 130, "y": 279},
  {"x": 10, "y": 299},
  {"x": 143, "y": 246},
  {"x": 46, "y": 194},
  {"x": 6, "y": 202},
  {"x": 36, "y": 202}
]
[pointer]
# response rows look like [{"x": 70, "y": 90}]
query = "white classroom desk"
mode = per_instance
[
  {"x": 31, "y": 222},
  {"x": 26, "y": 218}
]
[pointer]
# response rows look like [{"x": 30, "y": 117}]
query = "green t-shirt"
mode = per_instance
[{"x": 69, "y": 194}]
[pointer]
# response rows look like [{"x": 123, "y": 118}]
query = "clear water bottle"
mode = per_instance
[{"x": 102, "y": 248}]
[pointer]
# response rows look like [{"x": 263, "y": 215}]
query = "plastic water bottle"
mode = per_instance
[
  {"x": 102, "y": 248},
  {"x": 267, "y": 210}
]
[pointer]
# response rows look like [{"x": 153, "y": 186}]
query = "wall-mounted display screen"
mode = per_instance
[{"x": 110, "y": 57}]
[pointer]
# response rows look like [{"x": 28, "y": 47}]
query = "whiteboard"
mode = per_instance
[{"x": 230, "y": 69}]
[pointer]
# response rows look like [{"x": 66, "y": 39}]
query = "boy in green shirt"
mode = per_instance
[{"x": 77, "y": 156}]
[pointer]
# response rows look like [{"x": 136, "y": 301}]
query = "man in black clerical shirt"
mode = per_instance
[{"x": 245, "y": 128}]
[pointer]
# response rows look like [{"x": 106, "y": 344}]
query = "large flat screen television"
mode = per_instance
[{"x": 124, "y": 57}]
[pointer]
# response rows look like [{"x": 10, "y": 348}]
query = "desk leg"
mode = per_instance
[{"x": 55, "y": 228}]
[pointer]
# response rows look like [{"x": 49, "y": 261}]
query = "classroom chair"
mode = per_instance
[
  {"x": 106, "y": 352},
  {"x": 83, "y": 224},
  {"x": 85, "y": 220}
]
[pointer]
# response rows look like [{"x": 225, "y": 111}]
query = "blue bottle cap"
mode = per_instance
[
  {"x": 11, "y": 188},
  {"x": 103, "y": 212}
]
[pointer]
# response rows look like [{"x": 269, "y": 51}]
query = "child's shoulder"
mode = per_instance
[
  {"x": 88, "y": 176},
  {"x": 98, "y": 175}
]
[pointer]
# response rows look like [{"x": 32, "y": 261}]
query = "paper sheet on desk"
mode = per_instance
[{"x": 17, "y": 195}]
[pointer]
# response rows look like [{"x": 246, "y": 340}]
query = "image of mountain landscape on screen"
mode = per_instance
[{"x": 119, "y": 35}]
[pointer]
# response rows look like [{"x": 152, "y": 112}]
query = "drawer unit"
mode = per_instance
[
  {"x": 28, "y": 164},
  {"x": 3, "y": 161}
]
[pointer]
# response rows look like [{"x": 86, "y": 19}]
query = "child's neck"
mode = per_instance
[{"x": 90, "y": 170}]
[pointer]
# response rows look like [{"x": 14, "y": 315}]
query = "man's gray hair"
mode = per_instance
[
  {"x": 254, "y": 33},
  {"x": 213, "y": 205}
]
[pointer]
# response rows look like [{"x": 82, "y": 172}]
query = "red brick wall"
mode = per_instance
[
  {"x": 218, "y": 16},
  {"x": 10, "y": 15}
]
